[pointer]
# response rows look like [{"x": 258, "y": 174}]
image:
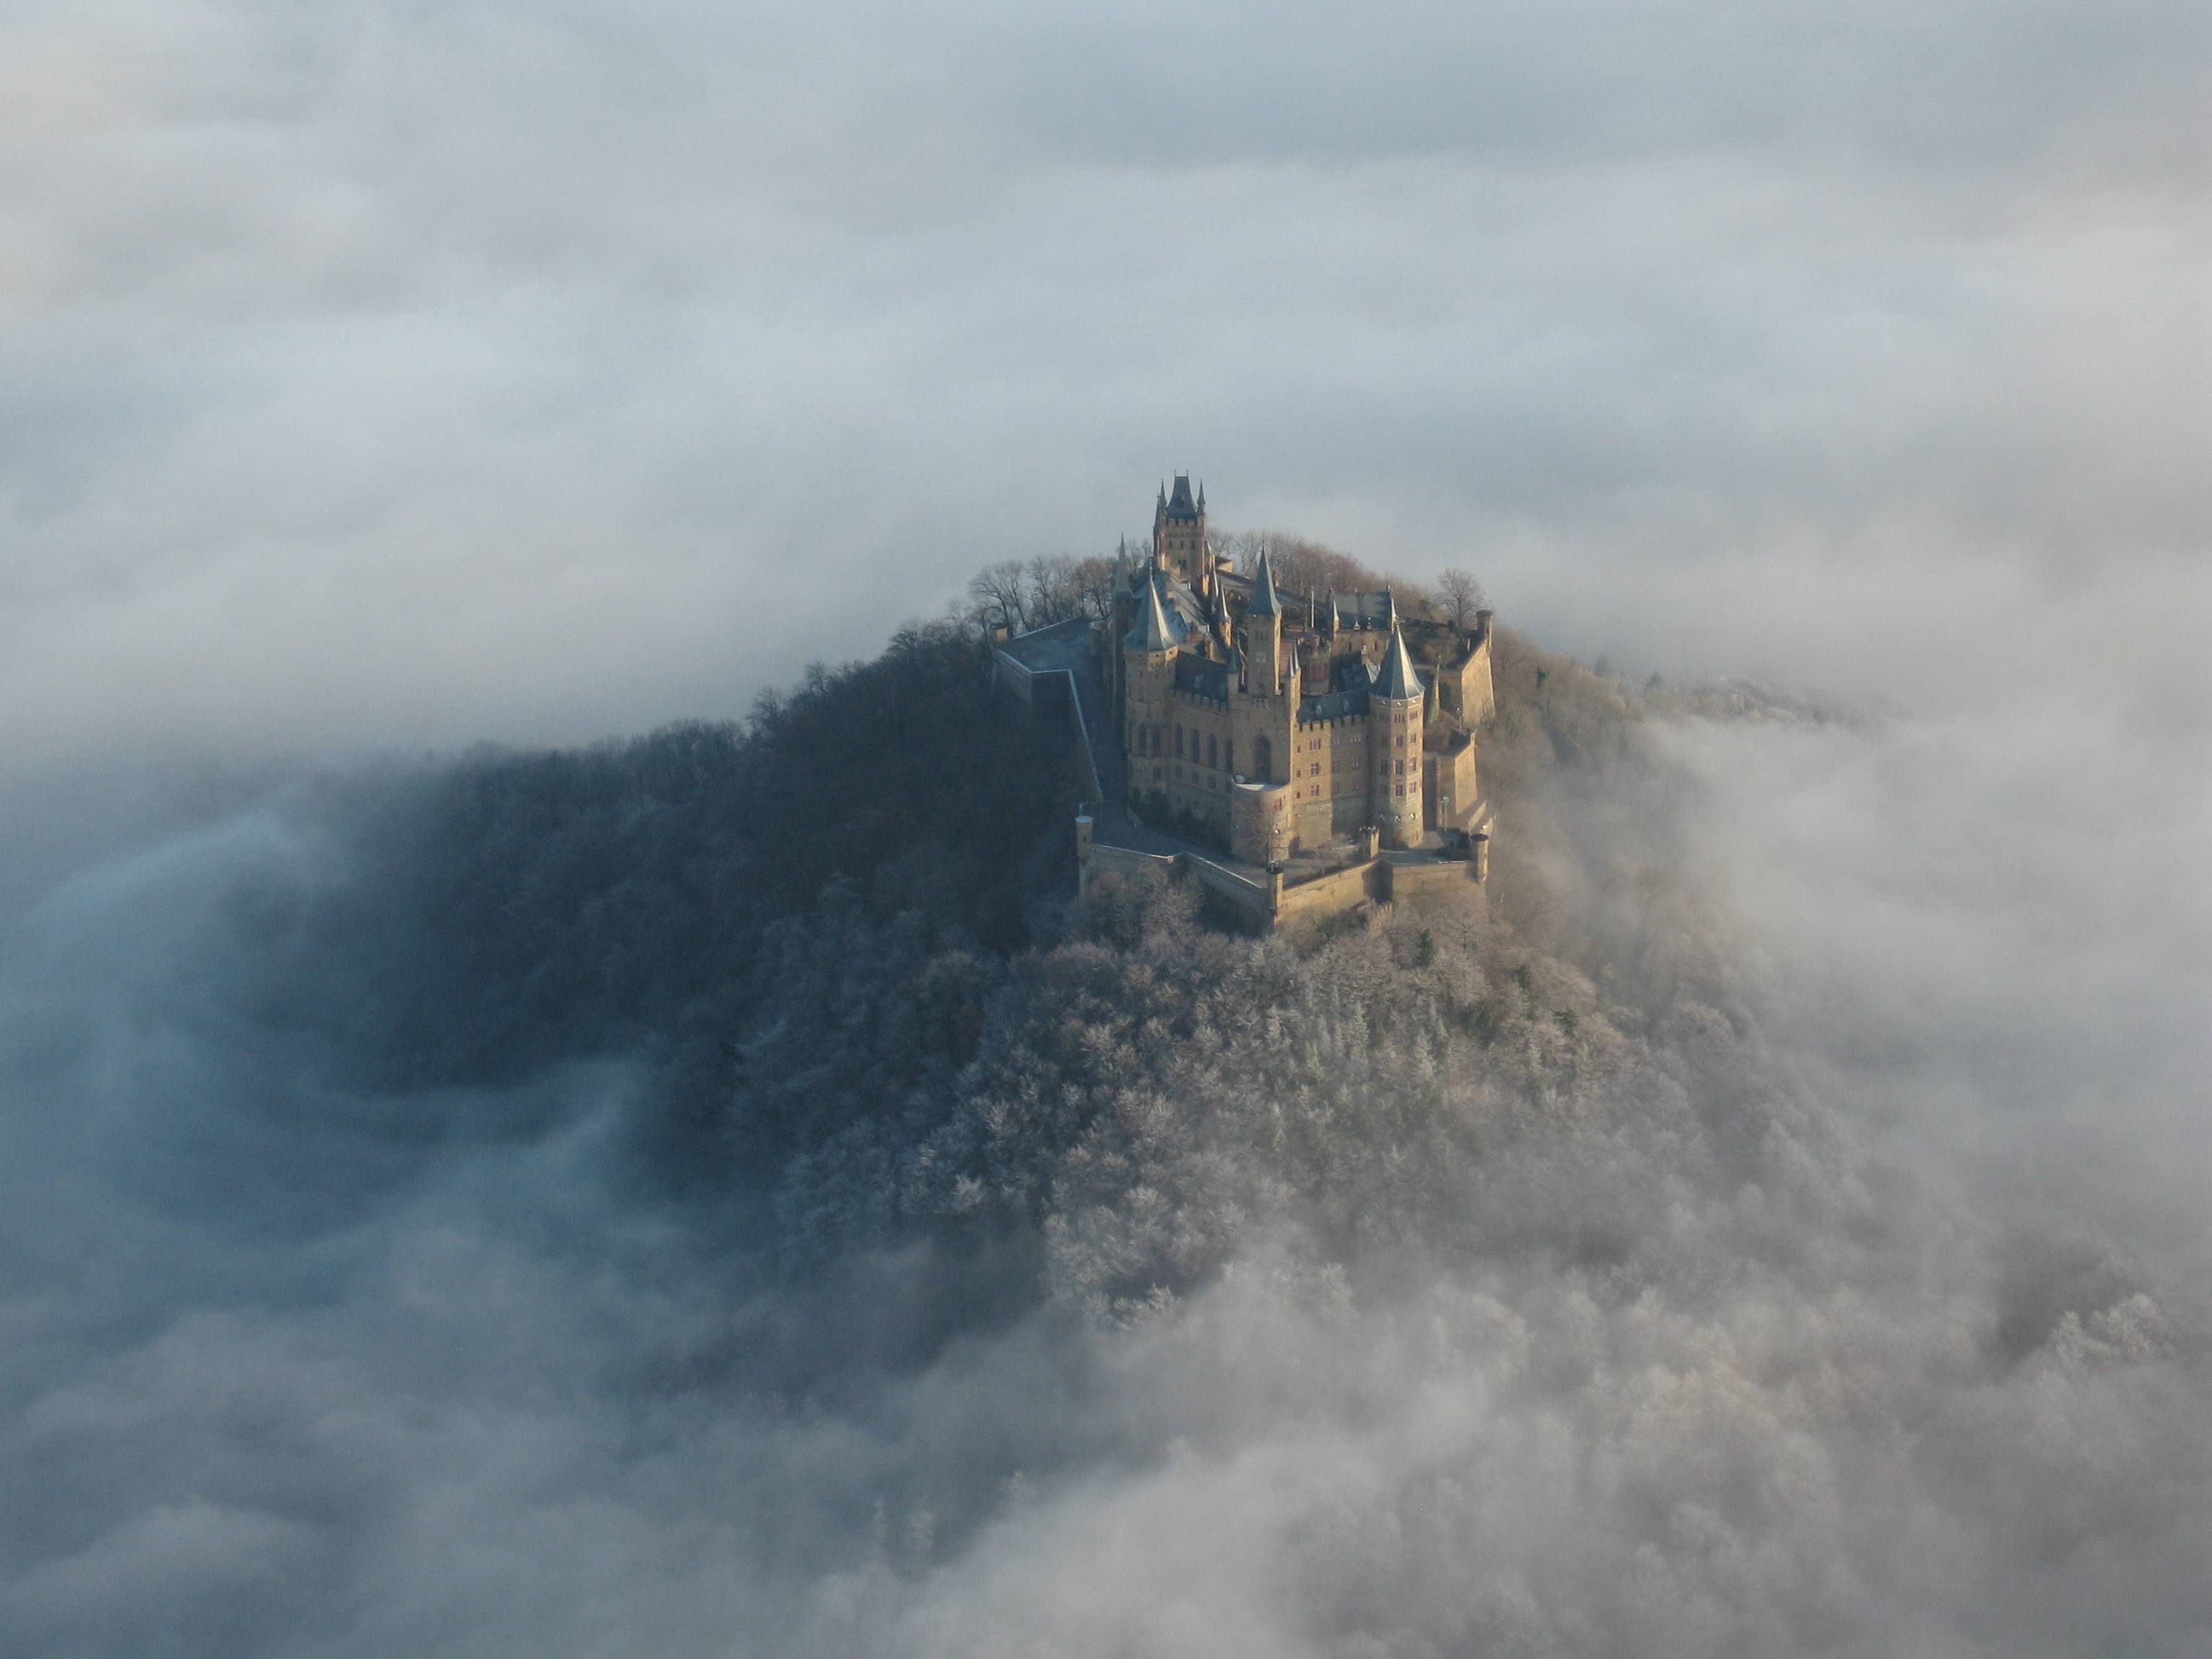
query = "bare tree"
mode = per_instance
[
  {"x": 1463, "y": 597},
  {"x": 1051, "y": 595},
  {"x": 998, "y": 597},
  {"x": 1094, "y": 588},
  {"x": 1301, "y": 566},
  {"x": 1047, "y": 589}
]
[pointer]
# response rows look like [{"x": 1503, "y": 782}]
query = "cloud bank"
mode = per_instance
[
  {"x": 419, "y": 375},
  {"x": 385, "y": 377},
  {"x": 1876, "y": 1334}
]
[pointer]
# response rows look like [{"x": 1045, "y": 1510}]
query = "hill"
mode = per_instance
[{"x": 844, "y": 933}]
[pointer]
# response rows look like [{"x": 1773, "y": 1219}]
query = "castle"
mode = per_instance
[{"x": 1304, "y": 754}]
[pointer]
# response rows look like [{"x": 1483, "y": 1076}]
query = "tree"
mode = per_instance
[
  {"x": 1463, "y": 597},
  {"x": 998, "y": 597},
  {"x": 1062, "y": 586},
  {"x": 1048, "y": 589}
]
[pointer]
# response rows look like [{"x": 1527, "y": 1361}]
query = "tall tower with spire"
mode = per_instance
[
  {"x": 1263, "y": 633},
  {"x": 1179, "y": 544},
  {"x": 1396, "y": 703},
  {"x": 1148, "y": 654}
]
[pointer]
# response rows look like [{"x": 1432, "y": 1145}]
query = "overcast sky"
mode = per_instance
[{"x": 405, "y": 375}]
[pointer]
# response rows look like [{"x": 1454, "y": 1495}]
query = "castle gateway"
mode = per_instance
[{"x": 1273, "y": 742}]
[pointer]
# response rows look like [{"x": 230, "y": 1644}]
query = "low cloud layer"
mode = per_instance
[
  {"x": 297, "y": 1366},
  {"x": 377, "y": 379},
  {"x": 399, "y": 377}
]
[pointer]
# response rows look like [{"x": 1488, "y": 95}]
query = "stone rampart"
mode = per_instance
[
  {"x": 1411, "y": 881},
  {"x": 1336, "y": 894}
]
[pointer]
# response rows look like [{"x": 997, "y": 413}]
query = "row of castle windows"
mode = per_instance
[
  {"x": 1313, "y": 793},
  {"x": 1314, "y": 745},
  {"x": 1313, "y": 768},
  {"x": 1220, "y": 753},
  {"x": 1220, "y": 756}
]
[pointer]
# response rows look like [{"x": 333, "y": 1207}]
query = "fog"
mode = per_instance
[
  {"x": 416, "y": 375},
  {"x": 1880, "y": 1333},
  {"x": 393, "y": 379}
]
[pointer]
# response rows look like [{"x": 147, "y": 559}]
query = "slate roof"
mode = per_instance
[
  {"x": 1180, "y": 505},
  {"x": 1399, "y": 679},
  {"x": 1375, "y": 609},
  {"x": 1062, "y": 646},
  {"x": 1335, "y": 705},
  {"x": 1201, "y": 677},
  {"x": 1264, "y": 602},
  {"x": 1182, "y": 601},
  {"x": 1157, "y": 628}
]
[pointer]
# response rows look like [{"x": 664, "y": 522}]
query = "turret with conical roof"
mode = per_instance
[
  {"x": 1148, "y": 658},
  {"x": 1395, "y": 704},
  {"x": 1159, "y": 628},
  {"x": 1263, "y": 630},
  {"x": 1399, "y": 679},
  {"x": 1265, "y": 602}
]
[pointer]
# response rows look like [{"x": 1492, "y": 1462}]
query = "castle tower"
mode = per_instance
[
  {"x": 1395, "y": 709},
  {"x": 1263, "y": 632},
  {"x": 1260, "y": 831},
  {"x": 1179, "y": 544},
  {"x": 1148, "y": 674}
]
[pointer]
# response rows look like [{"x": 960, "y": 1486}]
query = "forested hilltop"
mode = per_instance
[
  {"x": 835, "y": 1217},
  {"x": 845, "y": 937}
]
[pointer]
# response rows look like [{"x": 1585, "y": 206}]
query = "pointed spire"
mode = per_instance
[
  {"x": 1155, "y": 629},
  {"x": 1264, "y": 602},
  {"x": 1293, "y": 676},
  {"x": 1399, "y": 679}
]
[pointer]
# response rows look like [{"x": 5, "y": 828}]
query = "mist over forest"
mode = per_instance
[
  {"x": 689, "y": 1177},
  {"x": 723, "y": 1192}
]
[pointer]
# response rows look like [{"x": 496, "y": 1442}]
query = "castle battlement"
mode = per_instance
[{"x": 1198, "y": 699}]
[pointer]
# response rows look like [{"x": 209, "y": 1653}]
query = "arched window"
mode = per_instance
[
  {"x": 1263, "y": 759},
  {"x": 1178, "y": 741},
  {"x": 1212, "y": 753},
  {"x": 1229, "y": 754}
]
